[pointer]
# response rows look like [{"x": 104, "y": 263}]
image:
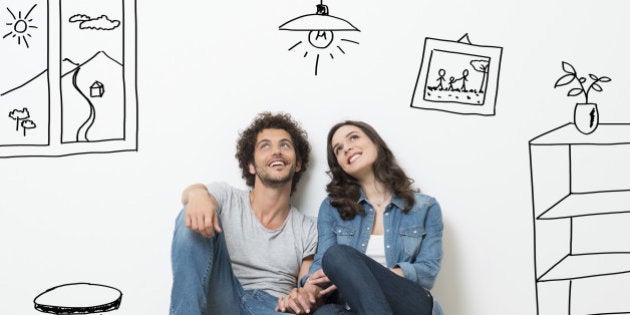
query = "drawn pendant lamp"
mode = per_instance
[{"x": 322, "y": 28}]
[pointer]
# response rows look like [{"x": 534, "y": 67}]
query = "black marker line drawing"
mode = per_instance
[
  {"x": 568, "y": 215},
  {"x": 458, "y": 77},
  {"x": 86, "y": 118},
  {"x": 585, "y": 115},
  {"x": 20, "y": 26},
  {"x": 78, "y": 298},
  {"x": 321, "y": 28},
  {"x": 97, "y": 109},
  {"x": 24, "y": 86},
  {"x": 21, "y": 118}
]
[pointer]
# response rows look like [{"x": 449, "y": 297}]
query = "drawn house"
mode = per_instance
[{"x": 97, "y": 89}]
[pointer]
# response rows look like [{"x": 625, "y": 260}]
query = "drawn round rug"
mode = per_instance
[{"x": 78, "y": 298}]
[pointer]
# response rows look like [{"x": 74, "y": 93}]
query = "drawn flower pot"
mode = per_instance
[{"x": 586, "y": 117}]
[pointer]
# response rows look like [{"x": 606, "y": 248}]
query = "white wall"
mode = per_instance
[{"x": 206, "y": 68}]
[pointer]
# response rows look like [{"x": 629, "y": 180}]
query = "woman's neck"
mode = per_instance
[{"x": 376, "y": 192}]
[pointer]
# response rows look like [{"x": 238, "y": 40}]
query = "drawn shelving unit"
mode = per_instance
[{"x": 568, "y": 213}]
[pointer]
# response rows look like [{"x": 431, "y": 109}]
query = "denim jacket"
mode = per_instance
[{"x": 413, "y": 240}]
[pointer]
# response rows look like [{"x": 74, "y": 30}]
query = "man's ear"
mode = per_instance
[
  {"x": 298, "y": 166},
  {"x": 252, "y": 168}
]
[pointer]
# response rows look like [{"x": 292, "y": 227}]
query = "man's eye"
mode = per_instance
[{"x": 264, "y": 146}]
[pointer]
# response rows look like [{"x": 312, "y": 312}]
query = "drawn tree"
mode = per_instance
[
  {"x": 19, "y": 115},
  {"x": 28, "y": 124},
  {"x": 481, "y": 66}
]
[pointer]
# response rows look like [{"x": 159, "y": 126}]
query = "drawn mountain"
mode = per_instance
[
  {"x": 92, "y": 99},
  {"x": 32, "y": 95}
]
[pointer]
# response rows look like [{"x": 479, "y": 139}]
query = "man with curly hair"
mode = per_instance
[{"x": 236, "y": 251}]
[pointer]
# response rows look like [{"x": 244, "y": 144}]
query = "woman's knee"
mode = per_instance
[{"x": 337, "y": 256}]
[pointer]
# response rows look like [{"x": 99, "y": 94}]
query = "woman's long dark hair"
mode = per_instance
[{"x": 344, "y": 190}]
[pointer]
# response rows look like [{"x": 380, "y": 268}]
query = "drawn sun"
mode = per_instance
[{"x": 20, "y": 26}]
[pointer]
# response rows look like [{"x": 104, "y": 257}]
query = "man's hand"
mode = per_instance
[
  {"x": 319, "y": 278},
  {"x": 201, "y": 210},
  {"x": 300, "y": 301}
]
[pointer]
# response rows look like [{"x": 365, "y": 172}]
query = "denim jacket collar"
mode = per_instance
[{"x": 397, "y": 201}]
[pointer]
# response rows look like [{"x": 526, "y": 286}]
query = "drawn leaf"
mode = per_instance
[
  {"x": 604, "y": 79},
  {"x": 597, "y": 87},
  {"x": 564, "y": 80},
  {"x": 574, "y": 92},
  {"x": 582, "y": 79},
  {"x": 568, "y": 68},
  {"x": 594, "y": 77}
]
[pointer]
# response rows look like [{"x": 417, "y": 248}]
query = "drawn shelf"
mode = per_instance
[
  {"x": 569, "y": 208},
  {"x": 588, "y": 265},
  {"x": 585, "y": 204}
]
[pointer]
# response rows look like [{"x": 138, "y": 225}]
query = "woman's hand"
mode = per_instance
[
  {"x": 320, "y": 279},
  {"x": 398, "y": 271}
]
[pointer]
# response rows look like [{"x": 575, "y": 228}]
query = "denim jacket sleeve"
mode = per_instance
[
  {"x": 326, "y": 235},
  {"x": 426, "y": 265}
]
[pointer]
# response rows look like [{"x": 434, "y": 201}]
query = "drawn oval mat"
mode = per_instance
[{"x": 78, "y": 298}]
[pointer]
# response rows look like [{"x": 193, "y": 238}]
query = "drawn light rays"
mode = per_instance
[
  {"x": 20, "y": 26},
  {"x": 321, "y": 28}
]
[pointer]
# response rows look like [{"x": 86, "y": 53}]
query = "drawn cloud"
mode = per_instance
[
  {"x": 100, "y": 23},
  {"x": 79, "y": 18}
]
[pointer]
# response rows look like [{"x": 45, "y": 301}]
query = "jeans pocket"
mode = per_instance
[
  {"x": 344, "y": 234},
  {"x": 412, "y": 239}
]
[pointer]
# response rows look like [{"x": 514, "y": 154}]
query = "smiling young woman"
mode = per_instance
[{"x": 379, "y": 240}]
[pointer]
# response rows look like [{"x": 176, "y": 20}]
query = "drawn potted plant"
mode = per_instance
[{"x": 585, "y": 115}]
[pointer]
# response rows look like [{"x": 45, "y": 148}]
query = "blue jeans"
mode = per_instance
[
  {"x": 203, "y": 280},
  {"x": 369, "y": 288}
]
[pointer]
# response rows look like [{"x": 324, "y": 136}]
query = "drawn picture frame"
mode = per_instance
[{"x": 447, "y": 66}]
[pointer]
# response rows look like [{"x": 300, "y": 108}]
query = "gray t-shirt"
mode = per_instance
[{"x": 263, "y": 259}]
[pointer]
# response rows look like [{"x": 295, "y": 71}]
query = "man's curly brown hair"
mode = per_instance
[{"x": 266, "y": 120}]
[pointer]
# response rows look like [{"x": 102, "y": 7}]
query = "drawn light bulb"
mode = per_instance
[
  {"x": 320, "y": 39},
  {"x": 321, "y": 28}
]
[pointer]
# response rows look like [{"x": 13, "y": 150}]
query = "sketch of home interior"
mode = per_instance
[
  {"x": 24, "y": 87},
  {"x": 326, "y": 34},
  {"x": 96, "y": 107},
  {"x": 458, "y": 77},
  {"x": 78, "y": 298},
  {"x": 581, "y": 214}
]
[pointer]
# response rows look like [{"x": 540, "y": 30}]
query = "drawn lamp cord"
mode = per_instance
[{"x": 320, "y": 27}]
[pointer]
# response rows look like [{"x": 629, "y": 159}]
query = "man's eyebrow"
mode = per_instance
[{"x": 262, "y": 141}]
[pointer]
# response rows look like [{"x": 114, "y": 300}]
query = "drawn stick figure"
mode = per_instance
[
  {"x": 464, "y": 78},
  {"x": 441, "y": 79},
  {"x": 451, "y": 80}
]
